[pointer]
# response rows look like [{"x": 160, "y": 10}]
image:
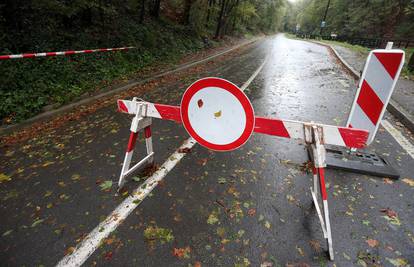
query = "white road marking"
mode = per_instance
[
  {"x": 249, "y": 81},
  {"x": 404, "y": 143},
  {"x": 92, "y": 241}
]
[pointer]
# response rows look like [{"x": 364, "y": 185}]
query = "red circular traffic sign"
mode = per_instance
[{"x": 217, "y": 114}]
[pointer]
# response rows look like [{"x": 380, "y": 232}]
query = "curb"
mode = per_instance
[
  {"x": 42, "y": 116},
  {"x": 393, "y": 107}
]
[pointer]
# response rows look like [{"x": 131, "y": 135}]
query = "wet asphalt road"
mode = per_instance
[{"x": 249, "y": 206}]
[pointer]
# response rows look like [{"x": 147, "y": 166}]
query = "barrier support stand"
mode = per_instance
[
  {"x": 314, "y": 139},
  {"x": 139, "y": 122}
]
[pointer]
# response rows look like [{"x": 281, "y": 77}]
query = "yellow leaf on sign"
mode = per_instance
[
  {"x": 217, "y": 114},
  {"x": 408, "y": 181},
  {"x": 4, "y": 178}
]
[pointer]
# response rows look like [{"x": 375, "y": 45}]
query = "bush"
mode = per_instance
[{"x": 28, "y": 85}]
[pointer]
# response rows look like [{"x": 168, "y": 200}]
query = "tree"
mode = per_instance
[
  {"x": 142, "y": 12},
  {"x": 155, "y": 10},
  {"x": 187, "y": 9},
  {"x": 226, "y": 6}
]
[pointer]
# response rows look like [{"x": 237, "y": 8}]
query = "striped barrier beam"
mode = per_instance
[
  {"x": 333, "y": 135},
  {"x": 377, "y": 83},
  {"x": 63, "y": 53}
]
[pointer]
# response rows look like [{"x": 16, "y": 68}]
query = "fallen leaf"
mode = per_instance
[
  {"x": 182, "y": 252},
  {"x": 394, "y": 221},
  {"x": 251, "y": 212},
  {"x": 7, "y": 232},
  {"x": 398, "y": 262},
  {"x": 69, "y": 250},
  {"x": 153, "y": 233},
  {"x": 75, "y": 177},
  {"x": 197, "y": 264},
  {"x": 408, "y": 181},
  {"x": 47, "y": 163},
  {"x": 184, "y": 150},
  {"x": 200, "y": 103},
  {"x": 37, "y": 222},
  {"x": 261, "y": 217},
  {"x": 108, "y": 255},
  {"x": 266, "y": 264},
  {"x": 106, "y": 185},
  {"x": 372, "y": 243},
  {"x": 389, "y": 212},
  {"x": 315, "y": 245},
  {"x": 212, "y": 218},
  {"x": 300, "y": 250},
  {"x": 217, "y": 114},
  {"x": 4, "y": 178},
  {"x": 202, "y": 162}
]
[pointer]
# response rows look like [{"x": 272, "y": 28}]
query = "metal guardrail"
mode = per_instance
[{"x": 367, "y": 42}]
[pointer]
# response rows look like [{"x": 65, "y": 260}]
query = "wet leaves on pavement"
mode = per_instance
[
  {"x": 4, "y": 178},
  {"x": 155, "y": 233},
  {"x": 182, "y": 253},
  {"x": 106, "y": 185}
]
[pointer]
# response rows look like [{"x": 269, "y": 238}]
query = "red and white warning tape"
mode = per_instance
[
  {"x": 333, "y": 135},
  {"x": 63, "y": 53}
]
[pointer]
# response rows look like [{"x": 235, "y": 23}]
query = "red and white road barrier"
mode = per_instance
[
  {"x": 219, "y": 116},
  {"x": 63, "y": 53},
  {"x": 138, "y": 123},
  {"x": 333, "y": 135},
  {"x": 381, "y": 72}
]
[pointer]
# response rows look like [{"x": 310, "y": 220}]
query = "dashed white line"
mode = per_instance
[
  {"x": 92, "y": 241},
  {"x": 404, "y": 143}
]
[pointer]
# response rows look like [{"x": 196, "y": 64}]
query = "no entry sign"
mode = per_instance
[{"x": 217, "y": 114}]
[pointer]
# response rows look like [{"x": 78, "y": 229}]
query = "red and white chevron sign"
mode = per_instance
[{"x": 376, "y": 85}]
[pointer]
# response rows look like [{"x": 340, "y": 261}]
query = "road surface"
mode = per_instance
[{"x": 251, "y": 206}]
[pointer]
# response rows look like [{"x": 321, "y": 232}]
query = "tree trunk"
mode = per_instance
[
  {"x": 155, "y": 11},
  {"x": 187, "y": 9},
  {"x": 210, "y": 3},
  {"x": 410, "y": 64},
  {"x": 142, "y": 12},
  {"x": 220, "y": 19}
]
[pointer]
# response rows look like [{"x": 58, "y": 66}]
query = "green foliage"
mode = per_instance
[
  {"x": 410, "y": 64},
  {"x": 360, "y": 18},
  {"x": 28, "y": 85}
]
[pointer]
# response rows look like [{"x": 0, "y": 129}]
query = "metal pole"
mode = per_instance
[{"x": 324, "y": 16}]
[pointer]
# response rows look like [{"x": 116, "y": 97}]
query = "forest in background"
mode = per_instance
[
  {"x": 59, "y": 24},
  {"x": 353, "y": 18},
  {"x": 161, "y": 30}
]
